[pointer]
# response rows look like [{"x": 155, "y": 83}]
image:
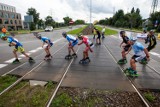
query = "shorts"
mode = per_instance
[
  {"x": 51, "y": 44},
  {"x": 99, "y": 36},
  {"x": 138, "y": 58},
  {"x": 126, "y": 48},
  {"x": 19, "y": 49},
  {"x": 149, "y": 48},
  {"x": 74, "y": 43}
]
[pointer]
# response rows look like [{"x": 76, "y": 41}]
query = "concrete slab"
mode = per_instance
[{"x": 35, "y": 83}]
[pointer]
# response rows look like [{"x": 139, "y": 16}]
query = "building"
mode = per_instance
[{"x": 9, "y": 18}]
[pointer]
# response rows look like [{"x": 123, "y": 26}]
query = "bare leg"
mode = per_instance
[
  {"x": 15, "y": 54},
  {"x": 69, "y": 50},
  {"x": 72, "y": 49},
  {"x": 133, "y": 64},
  {"x": 123, "y": 54},
  {"x": 25, "y": 54}
]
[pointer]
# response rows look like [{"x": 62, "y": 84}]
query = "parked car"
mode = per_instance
[{"x": 48, "y": 28}]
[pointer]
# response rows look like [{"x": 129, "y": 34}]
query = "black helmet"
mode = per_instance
[
  {"x": 64, "y": 34},
  {"x": 121, "y": 32}
]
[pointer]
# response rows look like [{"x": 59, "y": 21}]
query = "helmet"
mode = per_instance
[
  {"x": 39, "y": 36},
  {"x": 64, "y": 34},
  {"x": 2, "y": 35},
  {"x": 133, "y": 39},
  {"x": 79, "y": 35},
  {"x": 121, "y": 32}
]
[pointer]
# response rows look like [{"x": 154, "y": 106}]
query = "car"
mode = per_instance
[{"x": 49, "y": 28}]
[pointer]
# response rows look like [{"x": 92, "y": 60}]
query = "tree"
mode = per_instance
[
  {"x": 40, "y": 24},
  {"x": 32, "y": 11},
  {"x": 138, "y": 11},
  {"x": 132, "y": 11},
  {"x": 67, "y": 20},
  {"x": 49, "y": 21},
  {"x": 79, "y": 21},
  {"x": 153, "y": 18},
  {"x": 32, "y": 26}
]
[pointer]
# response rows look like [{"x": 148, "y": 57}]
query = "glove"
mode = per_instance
[{"x": 9, "y": 45}]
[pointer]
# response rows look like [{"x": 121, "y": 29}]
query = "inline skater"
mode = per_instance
[
  {"x": 140, "y": 54},
  {"x": 72, "y": 42},
  {"x": 47, "y": 41},
  {"x": 125, "y": 47},
  {"x": 152, "y": 40},
  {"x": 89, "y": 46},
  {"x": 18, "y": 47}
]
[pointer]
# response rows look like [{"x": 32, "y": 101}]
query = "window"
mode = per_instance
[
  {"x": 6, "y": 21},
  {"x": 11, "y": 22},
  {"x": 1, "y": 15},
  {"x": 12, "y": 16},
  {"x": 15, "y": 21},
  {"x": 19, "y": 22},
  {"x": 6, "y": 15},
  {"x": 1, "y": 21},
  {"x": 17, "y": 16}
]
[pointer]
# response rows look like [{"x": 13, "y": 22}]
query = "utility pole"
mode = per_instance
[{"x": 154, "y": 6}]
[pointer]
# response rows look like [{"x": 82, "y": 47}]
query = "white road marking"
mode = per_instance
[
  {"x": 33, "y": 51},
  {"x": 3, "y": 65},
  {"x": 11, "y": 60}
]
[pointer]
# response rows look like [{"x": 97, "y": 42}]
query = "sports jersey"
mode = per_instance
[
  {"x": 86, "y": 40},
  {"x": 151, "y": 40},
  {"x": 125, "y": 39},
  {"x": 138, "y": 49},
  {"x": 71, "y": 38},
  {"x": 11, "y": 39},
  {"x": 44, "y": 39}
]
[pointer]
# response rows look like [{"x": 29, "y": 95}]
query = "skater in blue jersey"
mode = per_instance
[
  {"x": 140, "y": 55},
  {"x": 18, "y": 47},
  {"x": 47, "y": 41},
  {"x": 72, "y": 42}
]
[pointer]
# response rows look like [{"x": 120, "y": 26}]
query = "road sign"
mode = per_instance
[{"x": 28, "y": 18}]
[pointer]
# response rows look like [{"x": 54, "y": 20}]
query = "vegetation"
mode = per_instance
[
  {"x": 107, "y": 31},
  {"x": 133, "y": 20},
  {"x": 77, "y": 31},
  {"x": 23, "y": 95},
  {"x": 6, "y": 81},
  {"x": 149, "y": 96}
]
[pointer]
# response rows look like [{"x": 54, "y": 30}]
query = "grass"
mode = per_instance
[
  {"x": 24, "y": 31},
  {"x": 149, "y": 96},
  {"x": 107, "y": 31},
  {"x": 6, "y": 81},
  {"x": 77, "y": 31},
  {"x": 23, "y": 95}
]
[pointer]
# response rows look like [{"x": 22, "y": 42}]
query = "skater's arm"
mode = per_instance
[
  {"x": 130, "y": 48},
  {"x": 121, "y": 44},
  {"x": 43, "y": 44},
  {"x": 80, "y": 43}
]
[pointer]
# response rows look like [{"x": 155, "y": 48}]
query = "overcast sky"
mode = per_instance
[{"x": 79, "y": 9}]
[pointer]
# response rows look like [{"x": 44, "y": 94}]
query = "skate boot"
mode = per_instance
[
  {"x": 82, "y": 61},
  {"x": 48, "y": 57},
  {"x": 144, "y": 61},
  {"x": 122, "y": 61},
  {"x": 68, "y": 57},
  {"x": 31, "y": 59},
  {"x": 74, "y": 55},
  {"x": 87, "y": 60},
  {"x": 130, "y": 72},
  {"x": 16, "y": 61}
]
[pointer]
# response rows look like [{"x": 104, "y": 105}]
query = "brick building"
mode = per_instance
[{"x": 9, "y": 18}]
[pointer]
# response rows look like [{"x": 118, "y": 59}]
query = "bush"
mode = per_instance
[{"x": 149, "y": 97}]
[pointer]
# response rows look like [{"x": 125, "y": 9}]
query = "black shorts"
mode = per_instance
[
  {"x": 99, "y": 36},
  {"x": 134, "y": 57},
  {"x": 150, "y": 48},
  {"x": 126, "y": 48}
]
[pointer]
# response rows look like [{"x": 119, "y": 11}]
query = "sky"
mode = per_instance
[{"x": 79, "y": 9}]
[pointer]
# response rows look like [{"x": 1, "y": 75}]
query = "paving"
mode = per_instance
[{"x": 148, "y": 78}]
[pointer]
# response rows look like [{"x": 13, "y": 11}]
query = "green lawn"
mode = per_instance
[
  {"x": 107, "y": 31},
  {"x": 77, "y": 31}
]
